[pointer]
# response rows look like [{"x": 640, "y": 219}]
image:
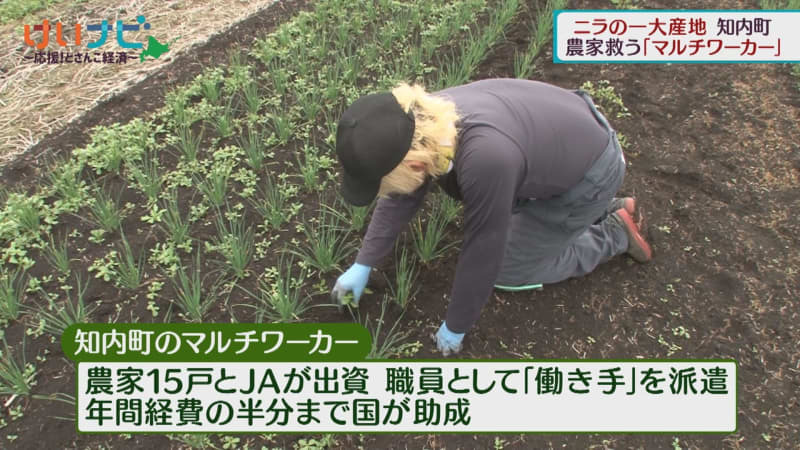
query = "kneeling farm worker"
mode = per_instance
[{"x": 536, "y": 166}]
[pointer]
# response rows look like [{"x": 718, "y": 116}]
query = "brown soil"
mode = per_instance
[{"x": 713, "y": 160}]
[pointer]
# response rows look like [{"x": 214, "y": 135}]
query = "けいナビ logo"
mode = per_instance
[{"x": 154, "y": 48}]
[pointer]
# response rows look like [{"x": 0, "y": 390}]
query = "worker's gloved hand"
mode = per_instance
[
  {"x": 353, "y": 280},
  {"x": 447, "y": 342}
]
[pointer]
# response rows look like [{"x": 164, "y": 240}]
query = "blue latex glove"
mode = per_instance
[
  {"x": 447, "y": 341},
  {"x": 353, "y": 280}
]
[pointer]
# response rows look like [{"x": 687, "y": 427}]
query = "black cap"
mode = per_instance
[{"x": 373, "y": 137}]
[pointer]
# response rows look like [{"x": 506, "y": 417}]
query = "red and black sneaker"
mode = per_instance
[
  {"x": 628, "y": 203},
  {"x": 638, "y": 247}
]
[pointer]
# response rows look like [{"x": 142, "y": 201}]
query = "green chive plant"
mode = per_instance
[
  {"x": 146, "y": 173},
  {"x": 326, "y": 243},
  {"x": 236, "y": 242},
  {"x": 282, "y": 126},
  {"x": 224, "y": 120},
  {"x": 56, "y": 254},
  {"x": 129, "y": 268},
  {"x": 320, "y": 49},
  {"x": 17, "y": 376},
  {"x": 449, "y": 207},
  {"x": 458, "y": 69},
  {"x": 114, "y": 155},
  {"x": 272, "y": 202},
  {"x": 253, "y": 147},
  {"x": 540, "y": 35},
  {"x": 238, "y": 73},
  {"x": 304, "y": 64},
  {"x": 347, "y": 213},
  {"x": 12, "y": 290},
  {"x": 252, "y": 97},
  {"x": 210, "y": 85},
  {"x": 215, "y": 184},
  {"x": 427, "y": 239},
  {"x": 309, "y": 98},
  {"x": 310, "y": 165},
  {"x": 352, "y": 65},
  {"x": 105, "y": 211},
  {"x": 188, "y": 143},
  {"x": 385, "y": 343},
  {"x": 331, "y": 122},
  {"x": 189, "y": 294},
  {"x": 404, "y": 288},
  {"x": 56, "y": 318},
  {"x": 280, "y": 298},
  {"x": 176, "y": 107},
  {"x": 332, "y": 85},
  {"x": 342, "y": 32},
  {"x": 280, "y": 78},
  {"x": 175, "y": 225},
  {"x": 60, "y": 397},
  {"x": 403, "y": 24}
]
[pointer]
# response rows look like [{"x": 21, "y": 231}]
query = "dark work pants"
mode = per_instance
[{"x": 570, "y": 234}]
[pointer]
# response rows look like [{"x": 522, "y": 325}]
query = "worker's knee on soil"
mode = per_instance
[{"x": 518, "y": 272}]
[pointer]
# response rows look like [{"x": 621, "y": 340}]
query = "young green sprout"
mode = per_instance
[{"x": 347, "y": 299}]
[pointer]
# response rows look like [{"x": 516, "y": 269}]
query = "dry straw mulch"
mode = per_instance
[{"x": 37, "y": 99}]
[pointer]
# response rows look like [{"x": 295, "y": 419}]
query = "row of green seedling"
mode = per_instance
[
  {"x": 540, "y": 32},
  {"x": 459, "y": 67}
]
